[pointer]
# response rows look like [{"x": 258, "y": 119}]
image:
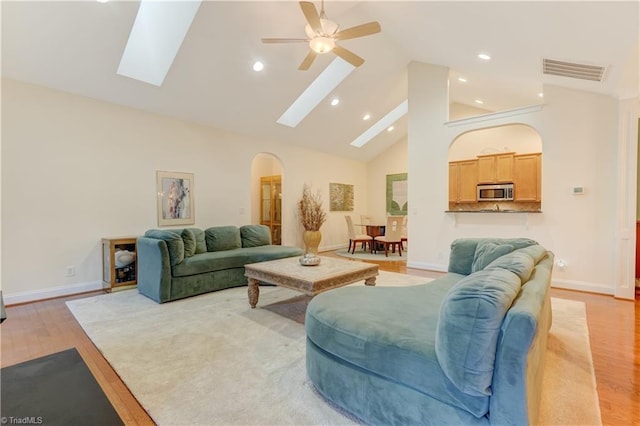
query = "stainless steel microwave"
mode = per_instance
[{"x": 502, "y": 192}]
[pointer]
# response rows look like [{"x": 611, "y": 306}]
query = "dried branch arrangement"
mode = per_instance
[{"x": 312, "y": 216}]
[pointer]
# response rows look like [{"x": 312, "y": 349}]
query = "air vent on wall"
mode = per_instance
[{"x": 573, "y": 70}]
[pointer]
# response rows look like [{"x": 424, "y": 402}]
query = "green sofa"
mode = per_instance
[
  {"x": 178, "y": 263},
  {"x": 465, "y": 349}
]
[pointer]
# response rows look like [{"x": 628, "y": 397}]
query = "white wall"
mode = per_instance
[
  {"x": 579, "y": 142},
  {"x": 75, "y": 169},
  {"x": 391, "y": 161}
]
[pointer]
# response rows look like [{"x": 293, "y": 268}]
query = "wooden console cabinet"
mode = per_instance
[{"x": 116, "y": 276}]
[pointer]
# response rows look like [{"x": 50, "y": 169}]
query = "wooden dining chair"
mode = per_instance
[
  {"x": 404, "y": 238},
  {"x": 392, "y": 235},
  {"x": 354, "y": 238}
]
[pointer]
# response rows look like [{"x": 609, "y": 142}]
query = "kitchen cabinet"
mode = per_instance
[
  {"x": 496, "y": 168},
  {"x": 527, "y": 177},
  {"x": 463, "y": 181}
]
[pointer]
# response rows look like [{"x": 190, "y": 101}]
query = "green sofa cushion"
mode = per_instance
[
  {"x": 222, "y": 238},
  {"x": 189, "y": 239},
  {"x": 400, "y": 346},
  {"x": 255, "y": 235},
  {"x": 230, "y": 259},
  {"x": 469, "y": 325},
  {"x": 487, "y": 252},
  {"x": 174, "y": 242}
]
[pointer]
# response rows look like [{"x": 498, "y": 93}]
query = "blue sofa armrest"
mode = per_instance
[
  {"x": 520, "y": 359},
  {"x": 154, "y": 269}
]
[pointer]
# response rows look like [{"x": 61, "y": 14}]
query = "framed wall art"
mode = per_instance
[
  {"x": 340, "y": 197},
  {"x": 397, "y": 195},
  {"x": 175, "y": 198}
]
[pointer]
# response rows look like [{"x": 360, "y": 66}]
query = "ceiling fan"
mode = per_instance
[{"x": 322, "y": 35}]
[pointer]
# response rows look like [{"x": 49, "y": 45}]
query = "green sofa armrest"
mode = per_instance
[{"x": 154, "y": 269}]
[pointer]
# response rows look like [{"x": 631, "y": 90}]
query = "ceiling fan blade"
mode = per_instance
[
  {"x": 348, "y": 56},
  {"x": 308, "y": 60},
  {"x": 311, "y": 13},
  {"x": 284, "y": 40},
  {"x": 358, "y": 31}
]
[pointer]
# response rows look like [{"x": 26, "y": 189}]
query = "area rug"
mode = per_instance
[
  {"x": 212, "y": 359},
  {"x": 56, "y": 389},
  {"x": 378, "y": 257}
]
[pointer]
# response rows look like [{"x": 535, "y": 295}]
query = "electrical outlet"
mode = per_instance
[
  {"x": 561, "y": 264},
  {"x": 71, "y": 271}
]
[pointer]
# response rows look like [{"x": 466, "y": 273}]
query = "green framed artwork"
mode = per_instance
[
  {"x": 397, "y": 194},
  {"x": 340, "y": 197}
]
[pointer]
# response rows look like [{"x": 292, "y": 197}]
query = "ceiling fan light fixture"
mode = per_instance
[
  {"x": 322, "y": 44},
  {"x": 328, "y": 26}
]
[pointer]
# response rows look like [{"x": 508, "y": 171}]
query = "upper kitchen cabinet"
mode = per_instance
[
  {"x": 527, "y": 177},
  {"x": 495, "y": 168},
  {"x": 463, "y": 181}
]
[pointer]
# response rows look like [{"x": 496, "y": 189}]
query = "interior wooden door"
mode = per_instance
[{"x": 271, "y": 206}]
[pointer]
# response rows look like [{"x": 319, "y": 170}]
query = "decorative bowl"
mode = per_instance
[
  {"x": 310, "y": 260},
  {"x": 123, "y": 258}
]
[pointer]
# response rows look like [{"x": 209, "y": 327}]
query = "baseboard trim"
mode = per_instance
[
  {"x": 66, "y": 290},
  {"x": 427, "y": 266},
  {"x": 332, "y": 247},
  {"x": 581, "y": 286}
]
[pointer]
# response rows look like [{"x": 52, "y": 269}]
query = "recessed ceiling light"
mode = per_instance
[
  {"x": 335, "y": 101},
  {"x": 462, "y": 79},
  {"x": 541, "y": 95},
  {"x": 478, "y": 101},
  {"x": 258, "y": 66},
  {"x": 390, "y": 129},
  {"x": 102, "y": 1},
  {"x": 366, "y": 117},
  {"x": 484, "y": 56}
]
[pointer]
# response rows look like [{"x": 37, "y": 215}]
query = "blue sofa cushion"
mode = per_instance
[
  {"x": 486, "y": 252},
  {"x": 174, "y": 242},
  {"x": 189, "y": 240},
  {"x": 518, "y": 262},
  {"x": 389, "y": 332},
  {"x": 222, "y": 238},
  {"x": 463, "y": 251},
  {"x": 469, "y": 325},
  {"x": 255, "y": 235}
]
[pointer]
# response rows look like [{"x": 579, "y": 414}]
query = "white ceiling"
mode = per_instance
[{"x": 76, "y": 46}]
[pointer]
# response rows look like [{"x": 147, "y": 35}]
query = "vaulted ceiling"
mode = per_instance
[{"x": 77, "y": 46}]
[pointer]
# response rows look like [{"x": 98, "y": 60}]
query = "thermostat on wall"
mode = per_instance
[{"x": 577, "y": 190}]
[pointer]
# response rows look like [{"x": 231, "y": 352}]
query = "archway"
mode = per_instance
[
  {"x": 518, "y": 138},
  {"x": 266, "y": 193},
  {"x": 500, "y": 164}
]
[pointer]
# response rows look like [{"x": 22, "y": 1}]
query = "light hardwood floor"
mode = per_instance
[{"x": 41, "y": 328}]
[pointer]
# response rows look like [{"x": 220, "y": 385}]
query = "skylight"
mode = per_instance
[
  {"x": 156, "y": 37},
  {"x": 382, "y": 124},
  {"x": 319, "y": 89}
]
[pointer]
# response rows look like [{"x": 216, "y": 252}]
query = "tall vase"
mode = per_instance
[{"x": 311, "y": 241}]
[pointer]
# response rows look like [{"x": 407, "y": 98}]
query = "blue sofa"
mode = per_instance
[
  {"x": 465, "y": 349},
  {"x": 178, "y": 263}
]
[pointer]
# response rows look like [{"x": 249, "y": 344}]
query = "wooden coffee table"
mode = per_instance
[{"x": 310, "y": 280}]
